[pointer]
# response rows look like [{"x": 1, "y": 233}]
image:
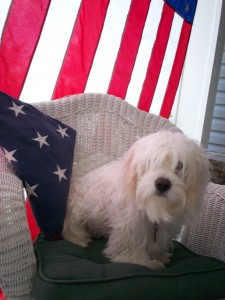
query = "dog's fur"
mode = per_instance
[{"x": 141, "y": 201}]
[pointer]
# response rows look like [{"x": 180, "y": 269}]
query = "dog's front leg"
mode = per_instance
[
  {"x": 128, "y": 244},
  {"x": 75, "y": 233}
]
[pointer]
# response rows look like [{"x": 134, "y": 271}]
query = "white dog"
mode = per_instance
[{"x": 141, "y": 201}]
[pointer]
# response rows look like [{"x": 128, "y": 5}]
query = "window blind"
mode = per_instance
[{"x": 217, "y": 132}]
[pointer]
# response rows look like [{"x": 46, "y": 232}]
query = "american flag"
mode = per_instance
[{"x": 129, "y": 48}]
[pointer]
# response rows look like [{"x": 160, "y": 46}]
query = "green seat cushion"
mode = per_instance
[{"x": 67, "y": 271}]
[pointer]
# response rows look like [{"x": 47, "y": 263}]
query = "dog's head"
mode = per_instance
[{"x": 165, "y": 174}]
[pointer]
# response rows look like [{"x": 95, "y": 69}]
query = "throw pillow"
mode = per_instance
[{"x": 41, "y": 150}]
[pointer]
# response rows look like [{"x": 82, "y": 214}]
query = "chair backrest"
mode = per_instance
[{"x": 106, "y": 126}]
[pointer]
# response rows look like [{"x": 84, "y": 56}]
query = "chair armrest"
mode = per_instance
[
  {"x": 17, "y": 258},
  {"x": 206, "y": 235}
]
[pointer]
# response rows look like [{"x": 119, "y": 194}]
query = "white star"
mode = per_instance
[
  {"x": 62, "y": 131},
  {"x": 60, "y": 173},
  {"x": 41, "y": 139},
  {"x": 18, "y": 109},
  {"x": 9, "y": 155},
  {"x": 30, "y": 190}
]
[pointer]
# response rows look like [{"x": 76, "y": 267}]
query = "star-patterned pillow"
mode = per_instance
[{"x": 41, "y": 150}]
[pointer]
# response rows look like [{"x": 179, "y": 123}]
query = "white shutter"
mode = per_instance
[{"x": 217, "y": 132}]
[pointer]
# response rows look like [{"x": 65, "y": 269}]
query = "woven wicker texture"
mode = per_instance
[
  {"x": 106, "y": 127},
  {"x": 206, "y": 235},
  {"x": 17, "y": 260}
]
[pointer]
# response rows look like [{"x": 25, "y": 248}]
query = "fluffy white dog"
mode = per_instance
[{"x": 141, "y": 201}]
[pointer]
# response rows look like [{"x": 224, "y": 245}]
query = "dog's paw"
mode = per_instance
[
  {"x": 151, "y": 264},
  {"x": 81, "y": 241},
  {"x": 76, "y": 235},
  {"x": 165, "y": 258},
  {"x": 154, "y": 264}
]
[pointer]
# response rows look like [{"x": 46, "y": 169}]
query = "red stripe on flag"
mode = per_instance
[
  {"x": 20, "y": 36},
  {"x": 34, "y": 229},
  {"x": 156, "y": 60},
  {"x": 81, "y": 49},
  {"x": 128, "y": 48},
  {"x": 176, "y": 70}
]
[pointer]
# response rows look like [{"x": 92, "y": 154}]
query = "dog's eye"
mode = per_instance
[{"x": 179, "y": 166}]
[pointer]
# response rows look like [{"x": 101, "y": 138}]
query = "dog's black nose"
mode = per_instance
[{"x": 162, "y": 184}]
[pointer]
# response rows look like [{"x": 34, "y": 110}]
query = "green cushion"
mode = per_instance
[{"x": 67, "y": 271}]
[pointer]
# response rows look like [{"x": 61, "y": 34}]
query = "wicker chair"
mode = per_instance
[{"x": 106, "y": 127}]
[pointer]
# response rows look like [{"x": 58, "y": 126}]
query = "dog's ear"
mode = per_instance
[
  {"x": 197, "y": 183},
  {"x": 129, "y": 174}
]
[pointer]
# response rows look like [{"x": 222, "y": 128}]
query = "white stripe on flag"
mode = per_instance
[
  {"x": 4, "y": 8},
  {"x": 167, "y": 65},
  {"x": 108, "y": 47},
  {"x": 144, "y": 52},
  {"x": 50, "y": 52}
]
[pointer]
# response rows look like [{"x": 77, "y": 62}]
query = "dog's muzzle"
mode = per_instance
[{"x": 162, "y": 185}]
